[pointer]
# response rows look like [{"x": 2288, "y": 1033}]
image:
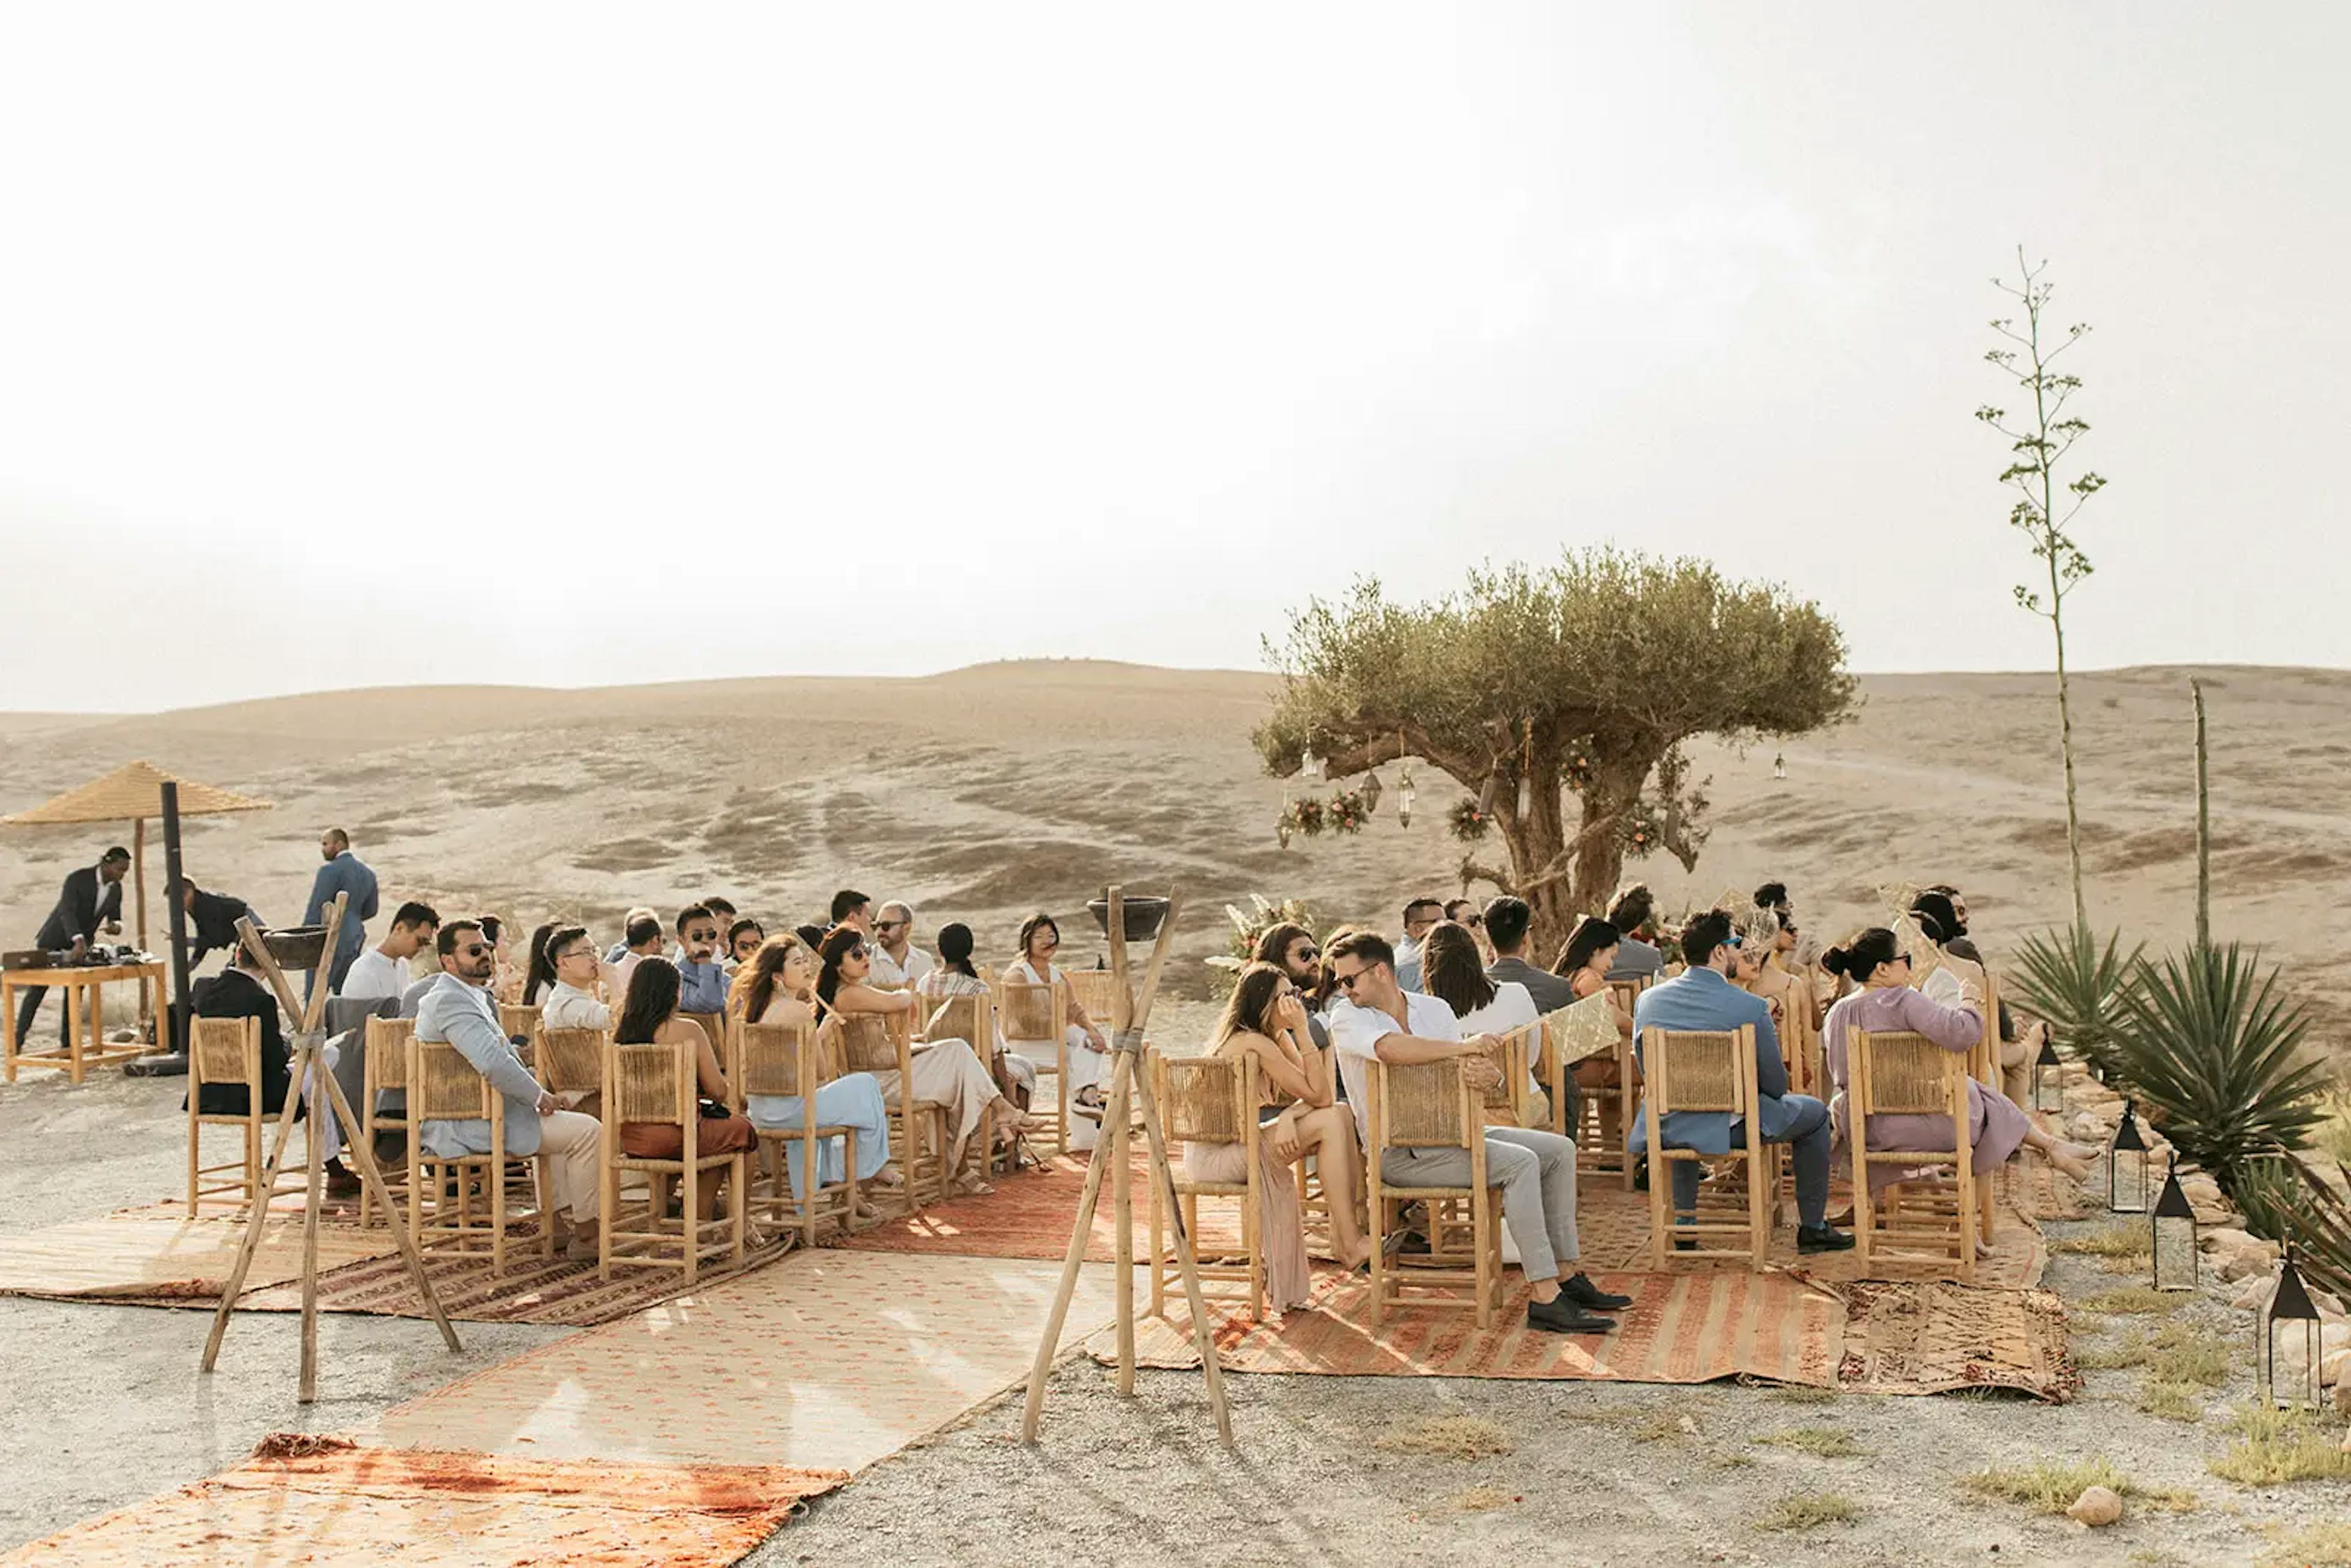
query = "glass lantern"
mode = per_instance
[
  {"x": 2048, "y": 1078},
  {"x": 2174, "y": 1224},
  {"x": 1405, "y": 793},
  {"x": 1370, "y": 791},
  {"x": 2286, "y": 1360},
  {"x": 2126, "y": 1162}
]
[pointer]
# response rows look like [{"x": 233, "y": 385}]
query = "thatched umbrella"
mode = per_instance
[{"x": 132, "y": 793}]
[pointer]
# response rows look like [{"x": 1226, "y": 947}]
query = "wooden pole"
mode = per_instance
[
  {"x": 175, "y": 916},
  {"x": 1072, "y": 1262},
  {"x": 2203, "y": 827},
  {"x": 1115, "y": 1119}
]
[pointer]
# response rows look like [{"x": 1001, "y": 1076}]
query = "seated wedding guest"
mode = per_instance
[
  {"x": 853, "y": 909},
  {"x": 629, "y": 923},
  {"x": 505, "y": 976},
  {"x": 382, "y": 970},
  {"x": 948, "y": 1073},
  {"x": 1508, "y": 921},
  {"x": 1451, "y": 971},
  {"x": 743, "y": 939},
  {"x": 1942, "y": 914},
  {"x": 1291, "y": 948},
  {"x": 1467, "y": 914},
  {"x": 721, "y": 909},
  {"x": 703, "y": 978},
  {"x": 458, "y": 1009},
  {"x": 1298, "y": 1114},
  {"x": 1373, "y": 1018},
  {"x": 569, "y": 1000},
  {"x": 954, "y": 976},
  {"x": 1636, "y": 959},
  {"x": 539, "y": 969},
  {"x": 212, "y": 919},
  {"x": 1887, "y": 1003},
  {"x": 1702, "y": 997},
  {"x": 239, "y": 991},
  {"x": 779, "y": 987},
  {"x": 1585, "y": 961},
  {"x": 1088, "y": 1047},
  {"x": 1419, "y": 915},
  {"x": 811, "y": 936},
  {"x": 643, "y": 940},
  {"x": 897, "y": 962},
  {"x": 650, "y": 1016}
]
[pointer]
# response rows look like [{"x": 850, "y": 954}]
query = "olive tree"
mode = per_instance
[{"x": 1562, "y": 696}]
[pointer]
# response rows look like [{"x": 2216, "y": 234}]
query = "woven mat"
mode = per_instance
[
  {"x": 1692, "y": 1327},
  {"x": 1933, "y": 1338},
  {"x": 364, "y": 1507},
  {"x": 144, "y": 1256},
  {"x": 1029, "y": 1215},
  {"x": 830, "y": 1359}
]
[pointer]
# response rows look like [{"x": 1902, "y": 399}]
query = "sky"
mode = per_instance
[{"x": 579, "y": 344}]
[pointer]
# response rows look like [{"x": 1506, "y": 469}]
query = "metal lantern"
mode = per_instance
[
  {"x": 2286, "y": 1360},
  {"x": 2175, "y": 1236},
  {"x": 1370, "y": 791},
  {"x": 2048, "y": 1078},
  {"x": 2126, "y": 1162},
  {"x": 1405, "y": 793}
]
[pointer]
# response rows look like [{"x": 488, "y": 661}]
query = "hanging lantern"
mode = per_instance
[
  {"x": 2126, "y": 1165},
  {"x": 1486, "y": 796},
  {"x": 2286, "y": 1360},
  {"x": 1281, "y": 828},
  {"x": 1404, "y": 798},
  {"x": 1308, "y": 765},
  {"x": 1526, "y": 794},
  {"x": 2175, "y": 1236},
  {"x": 1370, "y": 791},
  {"x": 2048, "y": 1077}
]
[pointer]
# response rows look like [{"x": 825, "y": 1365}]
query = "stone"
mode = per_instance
[
  {"x": 2098, "y": 1507},
  {"x": 2335, "y": 1368},
  {"x": 2333, "y": 1337},
  {"x": 2236, "y": 1266},
  {"x": 2083, "y": 1129},
  {"x": 2343, "y": 1405},
  {"x": 2256, "y": 1293},
  {"x": 2226, "y": 1239}
]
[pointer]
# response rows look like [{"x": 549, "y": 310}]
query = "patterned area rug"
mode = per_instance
[
  {"x": 146, "y": 1257},
  {"x": 1933, "y": 1338},
  {"x": 832, "y": 1359},
  {"x": 1029, "y": 1215},
  {"x": 364, "y": 1507},
  {"x": 1695, "y": 1327}
]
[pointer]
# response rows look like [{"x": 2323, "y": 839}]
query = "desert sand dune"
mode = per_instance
[{"x": 986, "y": 794}]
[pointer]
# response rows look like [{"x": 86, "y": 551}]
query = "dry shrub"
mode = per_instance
[
  {"x": 1821, "y": 1442},
  {"x": 2274, "y": 1447},
  {"x": 2171, "y": 1401},
  {"x": 2050, "y": 1488},
  {"x": 1808, "y": 1510},
  {"x": 2325, "y": 1545},
  {"x": 2137, "y": 1300},
  {"x": 1463, "y": 1437}
]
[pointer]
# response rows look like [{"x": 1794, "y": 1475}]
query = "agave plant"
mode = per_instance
[
  {"x": 2286, "y": 1198},
  {"x": 2214, "y": 1048},
  {"x": 2081, "y": 989}
]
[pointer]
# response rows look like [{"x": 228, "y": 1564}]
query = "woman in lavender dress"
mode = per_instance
[{"x": 1885, "y": 1003}]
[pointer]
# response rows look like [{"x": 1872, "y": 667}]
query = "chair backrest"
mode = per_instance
[
  {"x": 1423, "y": 1105},
  {"x": 1204, "y": 1099},
  {"x": 570, "y": 1061},
  {"x": 1094, "y": 990},
  {"x": 1627, "y": 992},
  {"x": 970, "y": 1017},
  {"x": 1699, "y": 1070},
  {"x": 387, "y": 1052},
  {"x": 649, "y": 1083},
  {"x": 513, "y": 1019},
  {"x": 443, "y": 1085},
  {"x": 714, "y": 1024},
  {"x": 869, "y": 1043},
  {"x": 225, "y": 1051},
  {"x": 1030, "y": 1012},
  {"x": 1517, "y": 1047},
  {"x": 766, "y": 1058},
  {"x": 1902, "y": 1073}
]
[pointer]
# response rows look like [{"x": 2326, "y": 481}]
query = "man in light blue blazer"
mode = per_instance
[
  {"x": 457, "y": 1009},
  {"x": 1703, "y": 998},
  {"x": 343, "y": 872}
]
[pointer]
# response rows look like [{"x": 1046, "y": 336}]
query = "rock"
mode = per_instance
[
  {"x": 2333, "y": 1337},
  {"x": 2225, "y": 1239},
  {"x": 2201, "y": 1188},
  {"x": 2335, "y": 1368},
  {"x": 2236, "y": 1266},
  {"x": 2256, "y": 1293},
  {"x": 2329, "y": 1305},
  {"x": 2098, "y": 1507},
  {"x": 2083, "y": 1128},
  {"x": 2343, "y": 1402}
]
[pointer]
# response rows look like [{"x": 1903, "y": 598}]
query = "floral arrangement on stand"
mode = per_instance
[{"x": 1249, "y": 924}]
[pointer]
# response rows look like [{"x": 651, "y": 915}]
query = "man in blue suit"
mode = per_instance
[
  {"x": 343, "y": 872},
  {"x": 1703, "y": 998}
]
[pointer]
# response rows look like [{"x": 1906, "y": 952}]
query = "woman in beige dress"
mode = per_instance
[{"x": 1088, "y": 1047}]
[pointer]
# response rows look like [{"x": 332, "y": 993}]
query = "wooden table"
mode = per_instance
[{"x": 82, "y": 1018}]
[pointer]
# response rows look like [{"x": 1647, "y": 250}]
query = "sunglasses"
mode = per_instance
[
  {"x": 856, "y": 952},
  {"x": 474, "y": 949},
  {"x": 1903, "y": 958},
  {"x": 1347, "y": 982},
  {"x": 890, "y": 925},
  {"x": 1306, "y": 956}
]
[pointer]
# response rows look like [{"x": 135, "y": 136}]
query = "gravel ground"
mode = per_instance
[{"x": 102, "y": 1406}]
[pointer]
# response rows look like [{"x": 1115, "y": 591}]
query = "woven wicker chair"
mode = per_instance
[
  {"x": 972, "y": 1020},
  {"x": 885, "y": 1043},
  {"x": 715, "y": 1025},
  {"x": 229, "y": 1051},
  {"x": 657, "y": 1083},
  {"x": 1510, "y": 1103},
  {"x": 1608, "y": 1112},
  {"x": 1208, "y": 1099},
  {"x": 1705, "y": 1071},
  {"x": 1986, "y": 1067},
  {"x": 1030, "y": 1015},
  {"x": 1430, "y": 1105},
  {"x": 1923, "y": 1219},
  {"x": 384, "y": 1068},
  {"x": 516, "y": 1020},
  {"x": 1095, "y": 990},
  {"x": 460, "y": 1200},
  {"x": 782, "y": 1059},
  {"x": 570, "y": 1061}
]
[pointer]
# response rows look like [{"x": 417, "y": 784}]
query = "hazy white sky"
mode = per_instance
[{"x": 579, "y": 344}]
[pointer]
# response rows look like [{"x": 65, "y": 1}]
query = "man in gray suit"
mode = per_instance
[
  {"x": 458, "y": 1010},
  {"x": 343, "y": 872},
  {"x": 91, "y": 897}
]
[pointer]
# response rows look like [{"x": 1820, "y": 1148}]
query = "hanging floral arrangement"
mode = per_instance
[
  {"x": 1640, "y": 833},
  {"x": 1347, "y": 811},
  {"x": 1304, "y": 817},
  {"x": 1469, "y": 821}
]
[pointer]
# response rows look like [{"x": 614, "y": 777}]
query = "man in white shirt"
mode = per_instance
[
  {"x": 643, "y": 940},
  {"x": 1371, "y": 1018},
  {"x": 383, "y": 969},
  {"x": 898, "y": 963},
  {"x": 571, "y": 1003}
]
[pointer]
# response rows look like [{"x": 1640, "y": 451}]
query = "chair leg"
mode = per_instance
[
  {"x": 497, "y": 1171},
  {"x": 689, "y": 1181},
  {"x": 1158, "y": 1250},
  {"x": 1661, "y": 1174}
]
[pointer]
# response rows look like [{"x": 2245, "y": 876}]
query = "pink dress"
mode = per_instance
[{"x": 1996, "y": 1128}]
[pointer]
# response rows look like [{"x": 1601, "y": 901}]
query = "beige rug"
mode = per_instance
[{"x": 162, "y": 1259}]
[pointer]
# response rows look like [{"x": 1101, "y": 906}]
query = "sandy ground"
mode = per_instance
[{"x": 102, "y": 1407}]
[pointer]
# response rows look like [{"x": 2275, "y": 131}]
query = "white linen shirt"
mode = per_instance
[
  {"x": 1356, "y": 1032},
  {"x": 889, "y": 975},
  {"x": 1513, "y": 1006},
  {"x": 568, "y": 1007},
  {"x": 373, "y": 976}
]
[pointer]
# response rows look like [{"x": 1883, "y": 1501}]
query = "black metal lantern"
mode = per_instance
[
  {"x": 1370, "y": 790},
  {"x": 2286, "y": 1360},
  {"x": 2174, "y": 1224},
  {"x": 2127, "y": 1163},
  {"x": 2048, "y": 1078}
]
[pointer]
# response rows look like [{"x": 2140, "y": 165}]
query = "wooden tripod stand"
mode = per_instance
[
  {"x": 307, "y": 1045},
  {"x": 1129, "y": 1013}
]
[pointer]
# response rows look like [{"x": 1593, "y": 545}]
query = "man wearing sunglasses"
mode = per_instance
[
  {"x": 898, "y": 963},
  {"x": 1373, "y": 1018},
  {"x": 458, "y": 1010},
  {"x": 1702, "y": 999}
]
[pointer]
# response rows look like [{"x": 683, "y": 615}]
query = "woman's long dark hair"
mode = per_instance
[
  {"x": 1028, "y": 929},
  {"x": 1591, "y": 934},
  {"x": 1273, "y": 946},
  {"x": 954, "y": 948},
  {"x": 652, "y": 999},
  {"x": 1247, "y": 1011},
  {"x": 839, "y": 943},
  {"x": 1449, "y": 970},
  {"x": 541, "y": 973},
  {"x": 1858, "y": 959},
  {"x": 756, "y": 982}
]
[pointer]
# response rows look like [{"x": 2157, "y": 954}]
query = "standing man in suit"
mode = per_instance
[
  {"x": 91, "y": 897},
  {"x": 343, "y": 872}
]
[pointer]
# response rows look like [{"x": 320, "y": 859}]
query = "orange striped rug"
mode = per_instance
[{"x": 1692, "y": 1327}]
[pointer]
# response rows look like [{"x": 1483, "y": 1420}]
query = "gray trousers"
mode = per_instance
[{"x": 1537, "y": 1174}]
